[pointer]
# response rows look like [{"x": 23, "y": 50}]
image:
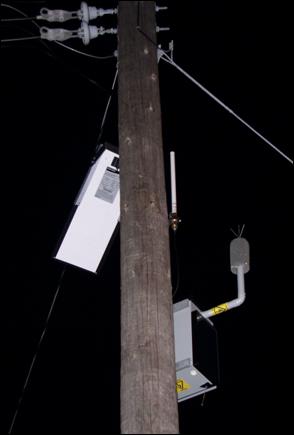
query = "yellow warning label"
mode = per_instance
[
  {"x": 182, "y": 386},
  {"x": 220, "y": 309}
]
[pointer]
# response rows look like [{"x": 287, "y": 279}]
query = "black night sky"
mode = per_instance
[{"x": 53, "y": 101}]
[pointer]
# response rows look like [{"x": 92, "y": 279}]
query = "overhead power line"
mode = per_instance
[
  {"x": 107, "y": 106},
  {"x": 92, "y": 56},
  {"x": 8, "y": 20},
  {"x": 25, "y": 38},
  {"x": 4, "y": 5},
  {"x": 29, "y": 1},
  {"x": 24, "y": 388}
]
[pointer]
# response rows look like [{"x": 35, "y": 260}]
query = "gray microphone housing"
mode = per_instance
[{"x": 240, "y": 255}]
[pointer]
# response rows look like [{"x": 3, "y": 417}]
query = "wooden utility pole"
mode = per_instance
[{"x": 148, "y": 377}]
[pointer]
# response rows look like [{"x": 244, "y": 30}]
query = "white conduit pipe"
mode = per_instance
[{"x": 232, "y": 304}]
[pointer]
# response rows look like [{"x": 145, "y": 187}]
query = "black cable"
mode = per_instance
[
  {"x": 138, "y": 27},
  {"x": 25, "y": 385},
  {"x": 52, "y": 54},
  {"x": 138, "y": 14},
  {"x": 24, "y": 1},
  {"x": 177, "y": 265},
  {"x": 218, "y": 365}
]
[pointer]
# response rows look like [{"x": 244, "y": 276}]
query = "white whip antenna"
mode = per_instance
[
  {"x": 173, "y": 182},
  {"x": 173, "y": 217}
]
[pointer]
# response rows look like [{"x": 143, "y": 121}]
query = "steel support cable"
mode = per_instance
[{"x": 169, "y": 60}]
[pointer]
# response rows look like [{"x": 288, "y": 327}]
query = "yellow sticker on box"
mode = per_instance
[{"x": 182, "y": 385}]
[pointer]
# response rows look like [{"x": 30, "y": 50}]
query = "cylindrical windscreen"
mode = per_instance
[{"x": 239, "y": 253}]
